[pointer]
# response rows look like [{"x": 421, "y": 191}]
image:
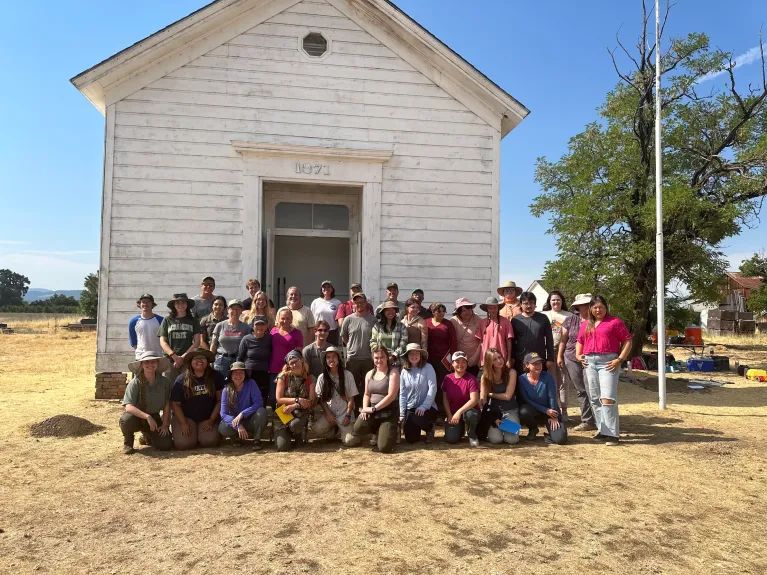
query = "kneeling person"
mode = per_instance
[
  {"x": 460, "y": 397},
  {"x": 296, "y": 395},
  {"x": 336, "y": 391},
  {"x": 242, "y": 407}
]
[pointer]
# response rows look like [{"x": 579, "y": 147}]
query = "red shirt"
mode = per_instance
[
  {"x": 441, "y": 340},
  {"x": 348, "y": 308},
  {"x": 607, "y": 337}
]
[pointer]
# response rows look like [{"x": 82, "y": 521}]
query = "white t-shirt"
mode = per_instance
[
  {"x": 147, "y": 335},
  {"x": 337, "y": 404},
  {"x": 326, "y": 309},
  {"x": 557, "y": 318}
]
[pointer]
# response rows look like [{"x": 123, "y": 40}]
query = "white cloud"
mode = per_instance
[{"x": 748, "y": 57}]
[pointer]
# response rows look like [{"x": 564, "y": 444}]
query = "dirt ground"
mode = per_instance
[{"x": 684, "y": 493}]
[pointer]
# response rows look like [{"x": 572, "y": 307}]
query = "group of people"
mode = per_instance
[{"x": 213, "y": 370}]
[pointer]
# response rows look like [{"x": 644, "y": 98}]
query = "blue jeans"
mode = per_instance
[
  {"x": 603, "y": 384},
  {"x": 222, "y": 363}
]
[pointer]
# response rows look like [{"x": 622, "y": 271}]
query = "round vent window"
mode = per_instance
[{"x": 315, "y": 44}]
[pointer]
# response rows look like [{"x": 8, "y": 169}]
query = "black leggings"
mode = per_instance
[{"x": 532, "y": 418}]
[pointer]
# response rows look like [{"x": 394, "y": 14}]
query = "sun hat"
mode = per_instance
[
  {"x": 391, "y": 285},
  {"x": 360, "y": 294},
  {"x": 148, "y": 355},
  {"x": 388, "y": 304},
  {"x": 463, "y": 302},
  {"x": 293, "y": 354},
  {"x": 533, "y": 357},
  {"x": 235, "y": 302},
  {"x": 237, "y": 365},
  {"x": 415, "y": 347},
  {"x": 336, "y": 350},
  {"x": 180, "y": 297},
  {"x": 492, "y": 300},
  {"x": 148, "y": 296},
  {"x": 459, "y": 355},
  {"x": 581, "y": 299},
  {"x": 208, "y": 355},
  {"x": 509, "y": 284}
]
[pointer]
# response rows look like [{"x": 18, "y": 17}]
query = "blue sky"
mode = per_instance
[{"x": 550, "y": 55}]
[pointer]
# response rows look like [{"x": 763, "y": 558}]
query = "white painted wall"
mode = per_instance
[{"x": 178, "y": 193}]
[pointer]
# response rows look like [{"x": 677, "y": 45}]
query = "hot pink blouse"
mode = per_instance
[{"x": 607, "y": 337}]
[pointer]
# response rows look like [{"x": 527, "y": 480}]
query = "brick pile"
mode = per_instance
[{"x": 110, "y": 385}]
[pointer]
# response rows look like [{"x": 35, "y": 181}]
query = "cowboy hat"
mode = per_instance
[
  {"x": 415, "y": 347},
  {"x": 180, "y": 297},
  {"x": 148, "y": 355},
  {"x": 509, "y": 284}
]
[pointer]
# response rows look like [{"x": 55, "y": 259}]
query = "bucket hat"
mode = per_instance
[
  {"x": 415, "y": 347},
  {"x": 388, "y": 304},
  {"x": 509, "y": 284},
  {"x": 148, "y": 296},
  {"x": 135, "y": 366},
  {"x": 180, "y": 297},
  {"x": 237, "y": 365},
  {"x": 463, "y": 302},
  {"x": 581, "y": 299},
  {"x": 336, "y": 350},
  {"x": 492, "y": 300}
]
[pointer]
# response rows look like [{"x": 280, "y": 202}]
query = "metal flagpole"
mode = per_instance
[{"x": 660, "y": 290}]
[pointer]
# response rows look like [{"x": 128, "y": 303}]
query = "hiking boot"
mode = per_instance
[
  {"x": 429, "y": 436},
  {"x": 585, "y": 427},
  {"x": 128, "y": 449}
]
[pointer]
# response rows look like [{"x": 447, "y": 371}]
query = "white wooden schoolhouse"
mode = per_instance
[{"x": 294, "y": 141}]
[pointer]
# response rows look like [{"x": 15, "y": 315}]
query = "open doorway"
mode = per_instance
[{"x": 312, "y": 234}]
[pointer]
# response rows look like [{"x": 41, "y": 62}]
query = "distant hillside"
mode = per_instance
[{"x": 35, "y": 294}]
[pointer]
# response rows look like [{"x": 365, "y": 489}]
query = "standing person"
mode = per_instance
[
  {"x": 196, "y": 402},
  {"x": 356, "y": 331},
  {"x": 209, "y": 322},
  {"x": 227, "y": 336},
  {"x": 510, "y": 292},
  {"x": 392, "y": 294},
  {"x": 259, "y": 308},
  {"x": 256, "y": 352},
  {"x": 460, "y": 398},
  {"x": 285, "y": 338},
  {"x": 325, "y": 308},
  {"x": 442, "y": 344},
  {"x": 388, "y": 332},
  {"x": 180, "y": 334},
  {"x": 348, "y": 307},
  {"x": 243, "y": 415},
  {"x": 497, "y": 332},
  {"x": 203, "y": 303},
  {"x": 313, "y": 352},
  {"x": 417, "y": 390},
  {"x": 468, "y": 333},
  {"x": 537, "y": 393},
  {"x": 532, "y": 333},
  {"x": 254, "y": 286},
  {"x": 143, "y": 328},
  {"x": 336, "y": 392},
  {"x": 303, "y": 319},
  {"x": 147, "y": 394},
  {"x": 604, "y": 343},
  {"x": 555, "y": 309},
  {"x": 379, "y": 404},
  {"x": 296, "y": 392},
  {"x": 569, "y": 364},
  {"x": 418, "y": 295},
  {"x": 497, "y": 399},
  {"x": 415, "y": 324}
]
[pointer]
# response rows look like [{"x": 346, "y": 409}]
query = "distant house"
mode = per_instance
[
  {"x": 737, "y": 288},
  {"x": 541, "y": 295}
]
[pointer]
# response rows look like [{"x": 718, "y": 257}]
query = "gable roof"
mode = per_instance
[
  {"x": 745, "y": 282},
  {"x": 218, "y": 22}
]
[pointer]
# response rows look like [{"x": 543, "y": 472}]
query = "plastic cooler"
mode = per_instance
[{"x": 700, "y": 364}]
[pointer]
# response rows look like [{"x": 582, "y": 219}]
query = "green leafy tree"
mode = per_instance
[
  {"x": 757, "y": 300},
  {"x": 600, "y": 196},
  {"x": 756, "y": 265},
  {"x": 13, "y": 288},
  {"x": 89, "y": 298}
]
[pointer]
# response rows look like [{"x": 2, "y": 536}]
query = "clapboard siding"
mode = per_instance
[{"x": 179, "y": 196}]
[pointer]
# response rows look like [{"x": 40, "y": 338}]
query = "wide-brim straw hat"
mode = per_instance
[
  {"x": 415, "y": 347},
  {"x": 208, "y": 355},
  {"x": 135, "y": 366},
  {"x": 508, "y": 284},
  {"x": 180, "y": 297},
  {"x": 463, "y": 302},
  {"x": 492, "y": 300},
  {"x": 581, "y": 299}
]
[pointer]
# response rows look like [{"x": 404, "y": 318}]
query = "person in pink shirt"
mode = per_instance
[
  {"x": 468, "y": 333},
  {"x": 285, "y": 338},
  {"x": 460, "y": 397},
  {"x": 496, "y": 331},
  {"x": 603, "y": 345}
]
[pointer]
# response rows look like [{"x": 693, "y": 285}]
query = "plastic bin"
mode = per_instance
[{"x": 700, "y": 364}]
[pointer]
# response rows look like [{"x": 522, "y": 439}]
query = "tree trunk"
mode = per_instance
[{"x": 645, "y": 286}]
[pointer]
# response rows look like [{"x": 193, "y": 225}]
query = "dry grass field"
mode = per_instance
[{"x": 684, "y": 493}]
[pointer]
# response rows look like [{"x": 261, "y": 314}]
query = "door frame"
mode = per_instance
[{"x": 359, "y": 167}]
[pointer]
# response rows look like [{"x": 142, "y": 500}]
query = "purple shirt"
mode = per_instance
[
  {"x": 281, "y": 345},
  {"x": 457, "y": 390},
  {"x": 607, "y": 337},
  {"x": 249, "y": 400},
  {"x": 572, "y": 324}
]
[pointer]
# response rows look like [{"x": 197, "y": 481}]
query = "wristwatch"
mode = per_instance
[{"x": 373, "y": 409}]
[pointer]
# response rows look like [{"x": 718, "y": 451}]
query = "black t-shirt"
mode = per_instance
[{"x": 199, "y": 405}]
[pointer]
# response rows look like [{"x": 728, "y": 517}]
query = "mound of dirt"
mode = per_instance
[{"x": 63, "y": 426}]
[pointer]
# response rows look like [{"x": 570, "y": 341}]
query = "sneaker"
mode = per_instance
[
  {"x": 585, "y": 427},
  {"x": 429, "y": 436},
  {"x": 128, "y": 449},
  {"x": 474, "y": 442},
  {"x": 612, "y": 441},
  {"x": 599, "y": 437},
  {"x": 143, "y": 439}
]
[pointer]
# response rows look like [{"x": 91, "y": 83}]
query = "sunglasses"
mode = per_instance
[{"x": 321, "y": 331}]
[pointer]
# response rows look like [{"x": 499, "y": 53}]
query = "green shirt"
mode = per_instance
[
  {"x": 157, "y": 395},
  {"x": 180, "y": 332}
]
